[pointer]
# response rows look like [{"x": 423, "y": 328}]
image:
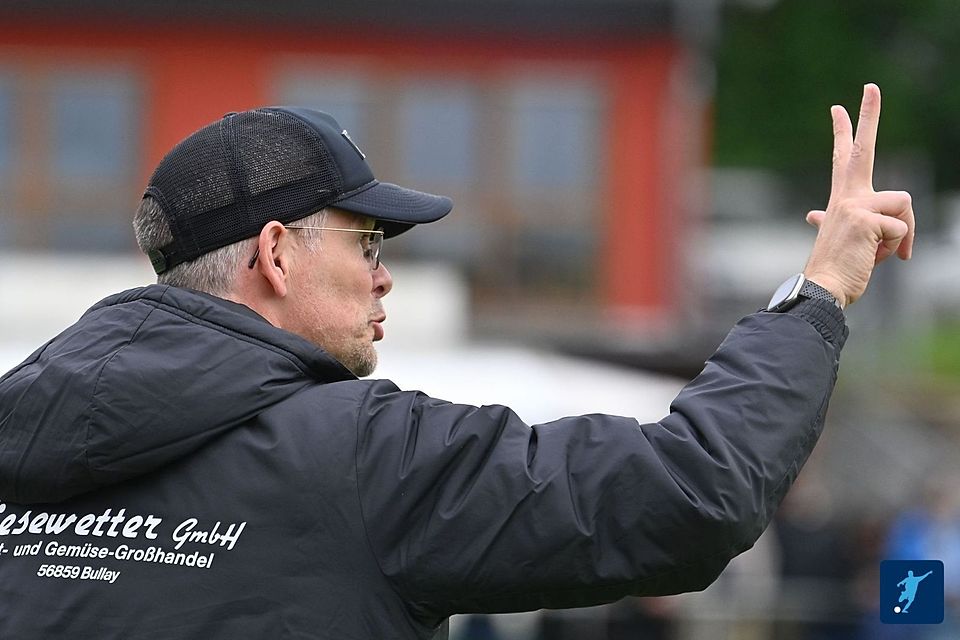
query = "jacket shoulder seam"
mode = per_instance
[{"x": 96, "y": 388}]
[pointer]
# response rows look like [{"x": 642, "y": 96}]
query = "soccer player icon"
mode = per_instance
[{"x": 909, "y": 585}]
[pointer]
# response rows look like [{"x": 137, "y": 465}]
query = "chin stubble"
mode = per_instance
[{"x": 363, "y": 360}]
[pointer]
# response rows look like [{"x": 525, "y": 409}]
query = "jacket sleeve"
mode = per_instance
[{"x": 469, "y": 509}]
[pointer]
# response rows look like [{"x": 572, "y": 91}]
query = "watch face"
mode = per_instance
[{"x": 786, "y": 293}]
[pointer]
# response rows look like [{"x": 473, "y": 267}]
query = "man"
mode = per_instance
[
  {"x": 910, "y": 584},
  {"x": 197, "y": 458}
]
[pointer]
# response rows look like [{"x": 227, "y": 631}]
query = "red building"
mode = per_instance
[{"x": 567, "y": 132}]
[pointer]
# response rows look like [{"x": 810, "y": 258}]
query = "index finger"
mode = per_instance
[
  {"x": 842, "y": 146},
  {"x": 860, "y": 172}
]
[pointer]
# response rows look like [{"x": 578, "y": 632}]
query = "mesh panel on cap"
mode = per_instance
[
  {"x": 277, "y": 151},
  {"x": 227, "y": 180},
  {"x": 194, "y": 178}
]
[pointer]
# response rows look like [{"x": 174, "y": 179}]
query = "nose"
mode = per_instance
[{"x": 382, "y": 281}]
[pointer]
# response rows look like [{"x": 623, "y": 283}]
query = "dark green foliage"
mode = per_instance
[{"x": 780, "y": 69}]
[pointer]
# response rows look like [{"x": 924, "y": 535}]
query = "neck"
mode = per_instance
[{"x": 262, "y": 307}]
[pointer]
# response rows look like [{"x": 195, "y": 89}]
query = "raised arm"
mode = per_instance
[{"x": 470, "y": 509}]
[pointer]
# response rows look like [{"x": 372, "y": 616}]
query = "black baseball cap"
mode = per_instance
[{"x": 225, "y": 181}]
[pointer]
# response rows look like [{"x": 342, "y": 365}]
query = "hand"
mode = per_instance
[{"x": 861, "y": 227}]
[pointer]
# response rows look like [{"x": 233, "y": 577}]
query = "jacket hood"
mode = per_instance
[{"x": 144, "y": 378}]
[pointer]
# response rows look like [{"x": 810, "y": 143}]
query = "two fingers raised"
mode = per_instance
[
  {"x": 853, "y": 160},
  {"x": 853, "y": 156}
]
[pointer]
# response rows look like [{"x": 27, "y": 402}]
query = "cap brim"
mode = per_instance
[{"x": 396, "y": 207}]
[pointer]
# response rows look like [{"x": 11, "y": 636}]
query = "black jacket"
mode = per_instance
[{"x": 172, "y": 466}]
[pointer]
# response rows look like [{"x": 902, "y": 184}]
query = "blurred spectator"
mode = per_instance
[
  {"x": 478, "y": 627},
  {"x": 931, "y": 531},
  {"x": 642, "y": 619},
  {"x": 504, "y": 626},
  {"x": 571, "y": 624},
  {"x": 816, "y": 566}
]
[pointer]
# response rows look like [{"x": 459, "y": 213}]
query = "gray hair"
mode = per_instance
[{"x": 214, "y": 272}]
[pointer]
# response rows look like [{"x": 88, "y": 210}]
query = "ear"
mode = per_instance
[{"x": 275, "y": 246}]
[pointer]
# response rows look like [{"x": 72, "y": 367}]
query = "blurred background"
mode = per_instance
[{"x": 630, "y": 177}]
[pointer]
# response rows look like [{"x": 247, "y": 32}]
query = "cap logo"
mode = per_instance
[{"x": 353, "y": 144}]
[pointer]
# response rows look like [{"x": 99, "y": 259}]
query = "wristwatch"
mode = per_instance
[{"x": 794, "y": 289}]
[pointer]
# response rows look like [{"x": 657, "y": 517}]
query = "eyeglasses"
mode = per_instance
[{"x": 372, "y": 242}]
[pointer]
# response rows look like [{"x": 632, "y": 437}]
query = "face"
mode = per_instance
[{"x": 336, "y": 302}]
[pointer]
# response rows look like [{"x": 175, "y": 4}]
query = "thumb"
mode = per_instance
[
  {"x": 815, "y": 217},
  {"x": 892, "y": 231}
]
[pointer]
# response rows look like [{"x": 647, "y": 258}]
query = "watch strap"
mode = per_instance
[
  {"x": 806, "y": 299},
  {"x": 813, "y": 291}
]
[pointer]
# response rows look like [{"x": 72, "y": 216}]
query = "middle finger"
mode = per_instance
[{"x": 860, "y": 173}]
